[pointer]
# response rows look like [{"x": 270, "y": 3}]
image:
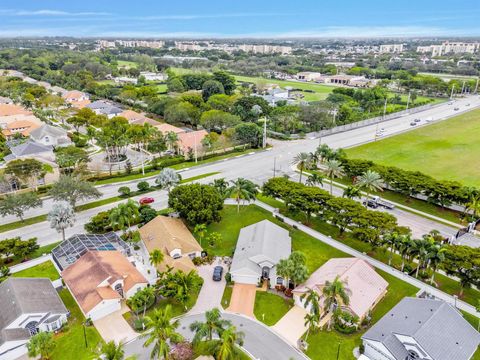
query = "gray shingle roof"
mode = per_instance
[
  {"x": 436, "y": 326},
  {"x": 104, "y": 107},
  {"x": 27, "y": 295},
  {"x": 27, "y": 148},
  {"x": 47, "y": 130},
  {"x": 259, "y": 243}
]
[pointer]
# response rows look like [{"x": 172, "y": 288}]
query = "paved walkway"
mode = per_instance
[
  {"x": 292, "y": 325},
  {"x": 243, "y": 299},
  {"x": 114, "y": 327},
  {"x": 378, "y": 264},
  {"x": 212, "y": 291}
]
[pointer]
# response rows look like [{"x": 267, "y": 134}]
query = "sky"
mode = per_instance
[{"x": 240, "y": 18}]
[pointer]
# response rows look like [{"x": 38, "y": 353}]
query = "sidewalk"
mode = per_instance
[{"x": 378, "y": 264}]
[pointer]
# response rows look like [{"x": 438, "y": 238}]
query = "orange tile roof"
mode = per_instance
[
  {"x": 187, "y": 140},
  {"x": 94, "y": 268},
  {"x": 23, "y": 126},
  {"x": 166, "y": 128},
  {"x": 11, "y": 109}
]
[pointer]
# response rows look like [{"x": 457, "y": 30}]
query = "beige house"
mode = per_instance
[
  {"x": 99, "y": 280},
  {"x": 172, "y": 237},
  {"x": 77, "y": 99},
  {"x": 366, "y": 288}
]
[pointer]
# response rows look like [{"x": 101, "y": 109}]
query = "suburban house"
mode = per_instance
[
  {"x": 57, "y": 90},
  {"x": 12, "y": 112},
  {"x": 309, "y": 76},
  {"x": 421, "y": 329},
  {"x": 27, "y": 306},
  {"x": 31, "y": 149},
  {"x": 50, "y": 136},
  {"x": 153, "y": 76},
  {"x": 101, "y": 107},
  {"x": 24, "y": 127},
  {"x": 260, "y": 247},
  {"x": 172, "y": 237},
  {"x": 190, "y": 141},
  {"x": 366, "y": 288},
  {"x": 77, "y": 99},
  {"x": 100, "y": 280},
  {"x": 134, "y": 117}
]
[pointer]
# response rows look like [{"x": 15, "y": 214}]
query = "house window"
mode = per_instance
[
  {"x": 279, "y": 280},
  {"x": 119, "y": 289},
  {"x": 32, "y": 327},
  {"x": 47, "y": 139}
]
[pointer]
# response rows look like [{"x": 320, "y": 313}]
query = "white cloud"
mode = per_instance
[
  {"x": 52, "y": 12},
  {"x": 208, "y": 16}
]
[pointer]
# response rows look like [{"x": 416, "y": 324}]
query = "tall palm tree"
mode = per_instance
[
  {"x": 371, "y": 181},
  {"x": 113, "y": 351},
  {"x": 156, "y": 257},
  {"x": 473, "y": 205},
  {"x": 335, "y": 293},
  {"x": 419, "y": 250},
  {"x": 303, "y": 161},
  {"x": 222, "y": 187},
  {"x": 403, "y": 248},
  {"x": 311, "y": 322},
  {"x": 147, "y": 295},
  {"x": 200, "y": 230},
  {"x": 243, "y": 189},
  {"x": 182, "y": 285},
  {"x": 123, "y": 215},
  {"x": 391, "y": 241},
  {"x": 283, "y": 270},
  {"x": 160, "y": 331},
  {"x": 314, "y": 180},
  {"x": 334, "y": 170},
  {"x": 323, "y": 152},
  {"x": 351, "y": 192},
  {"x": 312, "y": 298},
  {"x": 214, "y": 324},
  {"x": 225, "y": 348},
  {"x": 61, "y": 217},
  {"x": 171, "y": 139},
  {"x": 435, "y": 256}
]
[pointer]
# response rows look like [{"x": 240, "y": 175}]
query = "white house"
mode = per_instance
[
  {"x": 100, "y": 280},
  {"x": 309, "y": 76},
  {"x": 27, "y": 306},
  {"x": 50, "y": 136},
  {"x": 152, "y": 76},
  {"x": 259, "y": 249}
]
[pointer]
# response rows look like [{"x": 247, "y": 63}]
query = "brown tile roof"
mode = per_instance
[
  {"x": 187, "y": 140},
  {"x": 11, "y": 109},
  {"x": 166, "y": 234},
  {"x": 23, "y": 126},
  {"x": 95, "y": 267},
  {"x": 166, "y": 128}
]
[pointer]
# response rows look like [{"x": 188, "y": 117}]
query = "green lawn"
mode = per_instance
[
  {"x": 70, "y": 343},
  {"x": 43, "y": 270},
  {"x": 127, "y": 64},
  {"x": 323, "y": 345},
  {"x": 269, "y": 308},
  {"x": 447, "y": 150}
]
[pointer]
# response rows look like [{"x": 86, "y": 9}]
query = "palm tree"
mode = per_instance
[
  {"x": 160, "y": 331},
  {"x": 122, "y": 215},
  {"x": 156, "y": 257},
  {"x": 242, "y": 189},
  {"x": 113, "y": 351},
  {"x": 473, "y": 205},
  {"x": 167, "y": 179},
  {"x": 171, "y": 139},
  {"x": 183, "y": 285},
  {"x": 435, "y": 256},
  {"x": 335, "y": 293},
  {"x": 222, "y": 187},
  {"x": 351, "y": 192},
  {"x": 371, "y": 181},
  {"x": 391, "y": 241},
  {"x": 214, "y": 324},
  {"x": 225, "y": 348},
  {"x": 419, "y": 249},
  {"x": 303, "y": 161},
  {"x": 312, "y": 298},
  {"x": 311, "y": 322},
  {"x": 323, "y": 152},
  {"x": 200, "y": 230},
  {"x": 147, "y": 294},
  {"x": 61, "y": 217},
  {"x": 334, "y": 169},
  {"x": 314, "y": 180},
  {"x": 283, "y": 270},
  {"x": 41, "y": 344},
  {"x": 403, "y": 248}
]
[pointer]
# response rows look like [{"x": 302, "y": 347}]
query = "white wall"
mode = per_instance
[
  {"x": 245, "y": 279},
  {"x": 134, "y": 290},
  {"x": 12, "y": 350},
  {"x": 105, "y": 308},
  {"x": 376, "y": 350}
]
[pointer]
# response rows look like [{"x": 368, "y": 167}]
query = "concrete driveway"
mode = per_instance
[
  {"x": 115, "y": 327},
  {"x": 212, "y": 291},
  {"x": 243, "y": 299},
  {"x": 292, "y": 325}
]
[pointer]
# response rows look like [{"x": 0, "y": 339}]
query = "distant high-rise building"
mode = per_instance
[
  {"x": 450, "y": 47},
  {"x": 391, "y": 48}
]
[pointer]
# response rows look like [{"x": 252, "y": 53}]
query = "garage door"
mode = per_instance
[{"x": 105, "y": 308}]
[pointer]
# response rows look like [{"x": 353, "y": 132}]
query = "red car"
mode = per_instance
[{"x": 146, "y": 200}]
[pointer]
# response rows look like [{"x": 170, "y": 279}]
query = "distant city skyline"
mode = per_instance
[{"x": 226, "y": 19}]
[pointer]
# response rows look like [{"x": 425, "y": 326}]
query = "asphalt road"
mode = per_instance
[
  {"x": 261, "y": 166},
  {"x": 260, "y": 341}
]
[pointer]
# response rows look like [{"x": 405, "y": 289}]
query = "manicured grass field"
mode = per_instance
[
  {"x": 269, "y": 308},
  {"x": 43, "y": 270},
  {"x": 70, "y": 343},
  {"x": 127, "y": 64},
  {"x": 447, "y": 150}
]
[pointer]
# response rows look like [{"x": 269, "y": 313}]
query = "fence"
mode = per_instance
[{"x": 372, "y": 121}]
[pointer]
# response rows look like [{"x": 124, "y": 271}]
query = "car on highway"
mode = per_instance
[
  {"x": 456, "y": 109},
  {"x": 146, "y": 200},
  {"x": 417, "y": 120},
  {"x": 450, "y": 103},
  {"x": 413, "y": 123},
  {"x": 467, "y": 104},
  {"x": 217, "y": 273}
]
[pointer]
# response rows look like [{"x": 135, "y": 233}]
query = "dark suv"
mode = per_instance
[{"x": 217, "y": 273}]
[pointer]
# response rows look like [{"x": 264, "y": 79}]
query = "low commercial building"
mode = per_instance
[
  {"x": 27, "y": 306},
  {"x": 100, "y": 280},
  {"x": 366, "y": 288},
  {"x": 421, "y": 329},
  {"x": 174, "y": 240},
  {"x": 259, "y": 249},
  {"x": 309, "y": 76}
]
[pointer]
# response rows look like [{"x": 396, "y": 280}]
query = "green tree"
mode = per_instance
[
  {"x": 312, "y": 321},
  {"x": 211, "y": 87},
  {"x": 334, "y": 169},
  {"x": 315, "y": 180},
  {"x": 72, "y": 189},
  {"x": 122, "y": 216},
  {"x": 41, "y": 344},
  {"x": 161, "y": 329},
  {"x": 303, "y": 161},
  {"x": 17, "y": 204},
  {"x": 298, "y": 267},
  {"x": 200, "y": 230},
  {"x": 222, "y": 187},
  {"x": 248, "y": 133},
  {"x": 435, "y": 256},
  {"x": 228, "y": 81},
  {"x": 225, "y": 348},
  {"x": 312, "y": 298},
  {"x": 371, "y": 181},
  {"x": 112, "y": 351},
  {"x": 243, "y": 189},
  {"x": 28, "y": 171},
  {"x": 61, "y": 217},
  {"x": 167, "y": 178},
  {"x": 218, "y": 120},
  {"x": 335, "y": 293},
  {"x": 351, "y": 192},
  {"x": 196, "y": 203},
  {"x": 179, "y": 285},
  {"x": 70, "y": 158},
  {"x": 156, "y": 257},
  {"x": 213, "y": 325}
]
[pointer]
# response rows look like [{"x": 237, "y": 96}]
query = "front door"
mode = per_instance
[{"x": 265, "y": 272}]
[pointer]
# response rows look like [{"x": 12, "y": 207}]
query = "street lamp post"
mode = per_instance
[
  {"x": 408, "y": 100},
  {"x": 385, "y": 108}
]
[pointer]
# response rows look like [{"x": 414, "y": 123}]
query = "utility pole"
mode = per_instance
[
  {"x": 195, "y": 145},
  {"x": 264, "y": 132},
  {"x": 463, "y": 87},
  {"x": 451, "y": 94},
  {"x": 274, "y": 165},
  {"x": 385, "y": 108},
  {"x": 476, "y": 86},
  {"x": 408, "y": 99}
]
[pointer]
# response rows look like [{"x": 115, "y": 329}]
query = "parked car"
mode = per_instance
[
  {"x": 413, "y": 123},
  {"x": 146, "y": 200},
  {"x": 217, "y": 273}
]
